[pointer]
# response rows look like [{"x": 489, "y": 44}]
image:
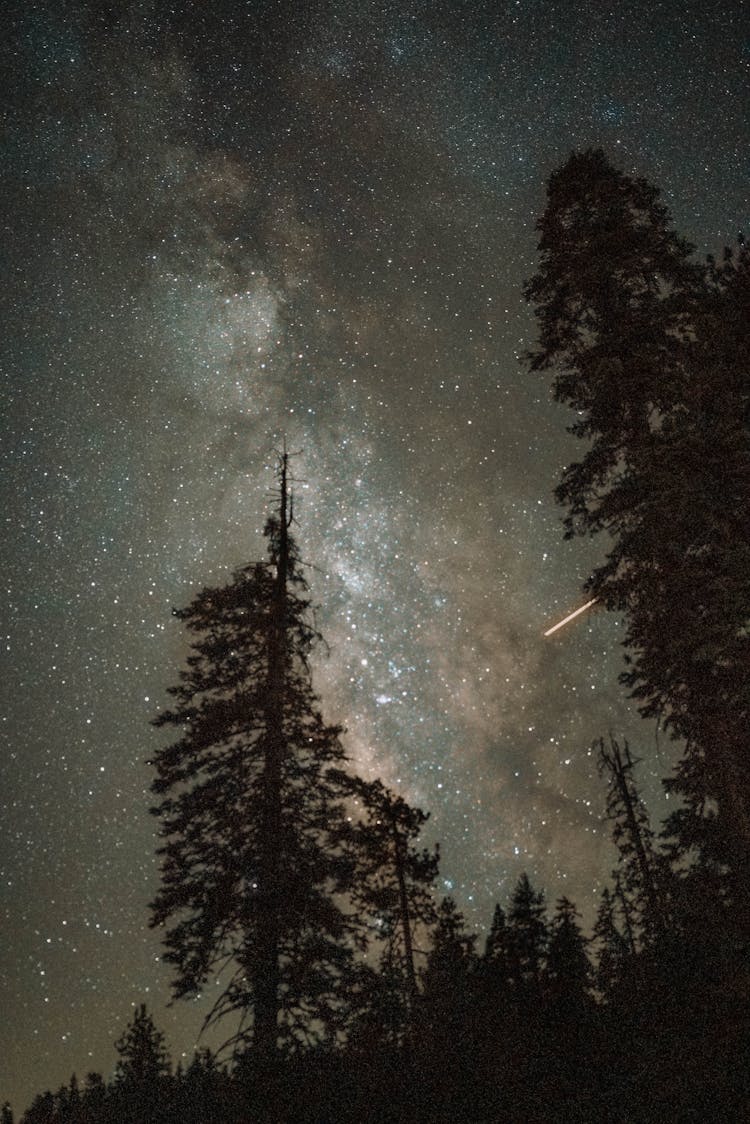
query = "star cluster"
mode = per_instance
[{"x": 228, "y": 224}]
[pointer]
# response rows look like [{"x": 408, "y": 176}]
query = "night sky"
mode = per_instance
[{"x": 245, "y": 221}]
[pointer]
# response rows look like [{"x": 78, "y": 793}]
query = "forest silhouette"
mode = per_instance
[{"x": 348, "y": 990}]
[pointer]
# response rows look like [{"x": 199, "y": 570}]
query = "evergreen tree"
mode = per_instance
[
  {"x": 651, "y": 352},
  {"x": 143, "y": 1059},
  {"x": 708, "y": 644},
  {"x": 394, "y": 880},
  {"x": 451, "y": 959},
  {"x": 445, "y": 1027},
  {"x": 95, "y": 1107},
  {"x": 41, "y": 1110},
  {"x": 140, "y": 1090},
  {"x": 254, "y": 880},
  {"x": 528, "y": 935},
  {"x": 493, "y": 998},
  {"x": 568, "y": 968},
  {"x": 612, "y": 302},
  {"x": 497, "y": 947},
  {"x": 642, "y": 876},
  {"x": 613, "y": 950}
]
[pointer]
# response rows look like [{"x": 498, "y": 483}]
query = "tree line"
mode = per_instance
[{"x": 298, "y": 892}]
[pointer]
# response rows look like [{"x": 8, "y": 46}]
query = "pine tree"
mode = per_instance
[
  {"x": 143, "y": 1058},
  {"x": 529, "y": 935},
  {"x": 709, "y": 642},
  {"x": 452, "y": 953},
  {"x": 611, "y": 298},
  {"x": 641, "y": 872},
  {"x": 651, "y": 351},
  {"x": 142, "y": 1086},
  {"x": 394, "y": 881},
  {"x": 613, "y": 949},
  {"x": 41, "y": 1110},
  {"x": 497, "y": 944},
  {"x": 568, "y": 968},
  {"x": 254, "y": 881},
  {"x": 95, "y": 1095},
  {"x": 446, "y": 978},
  {"x": 493, "y": 996},
  {"x": 445, "y": 1024}
]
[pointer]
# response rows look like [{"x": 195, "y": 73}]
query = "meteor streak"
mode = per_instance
[{"x": 571, "y": 616}]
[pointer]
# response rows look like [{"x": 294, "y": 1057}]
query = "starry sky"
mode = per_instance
[{"x": 232, "y": 222}]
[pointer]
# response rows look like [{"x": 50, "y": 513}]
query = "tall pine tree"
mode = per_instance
[
  {"x": 528, "y": 937},
  {"x": 251, "y": 804},
  {"x": 650, "y": 350},
  {"x": 642, "y": 874},
  {"x": 394, "y": 879}
]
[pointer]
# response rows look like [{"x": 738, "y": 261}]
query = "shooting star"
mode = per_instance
[{"x": 571, "y": 616}]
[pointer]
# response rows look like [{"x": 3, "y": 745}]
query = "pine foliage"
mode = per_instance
[{"x": 251, "y": 808}]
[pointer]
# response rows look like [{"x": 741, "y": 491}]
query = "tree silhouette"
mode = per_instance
[
  {"x": 496, "y": 965},
  {"x": 143, "y": 1058},
  {"x": 394, "y": 880},
  {"x": 444, "y": 1025},
  {"x": 651, "y": 352},
  {"x": 254, "y": 878},
  {"x": 528, "y": 936},
  {"x": 568, "y": 968},
  {"x": 641, "y": 871},
  {"x": 611, "y": 302},
  {"x": 613, "y": 949}
]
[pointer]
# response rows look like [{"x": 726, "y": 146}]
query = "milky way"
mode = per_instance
[{"x": 253, "y": 223}]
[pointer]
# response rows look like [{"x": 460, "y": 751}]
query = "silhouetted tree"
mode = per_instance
[
  {"x": 613, "y": 949},
  {"x": 94, "y": 1098},
  {"x": 706, "y": 618},
  {"x": 141, "y": 1086},
  {"x": 41, "y": 1110},
  {"x": 651, "y": 352},
  {"x": 529, "y": 934},
  {"x": 254, "y": 879},
  {"x": 496, "y": 964},
  {"x": 568, "y": 968},
  {"x": 393, "y": 882},
  {"x": 444, "y": 1025},
  {"x": 143, "y": 1058},
  {"x": 641, "y": 872},
  {"x": 611, "y": 299}
]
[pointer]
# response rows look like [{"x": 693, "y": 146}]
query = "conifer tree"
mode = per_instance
[
  {"x": 568, "y": 968},
  {"x": 651, "y": 352},
  {"x": 493, "y": 997},
  {"x": 95, "y": 1095},
  {"x": 641, "y": 873},
  {"x": 446, "y": 978},
  {"x": 612, "y": 302},
  {"x": 528, "y": 933},
  {"x": 141, "y": 1087},
  {"x": 41, "y": 1110},
  {"x": 143, "y": 1059},
  {"x": 451, "y": 958},
  {"x": 497, "y": 945},
  {"x": 445, "y": 1026},
  {"x": 706, "y": 619},
  {"x": 254, "y": 880},
  {"x": 393, "y": 882},
  {"x": 613, "y": 950}
]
